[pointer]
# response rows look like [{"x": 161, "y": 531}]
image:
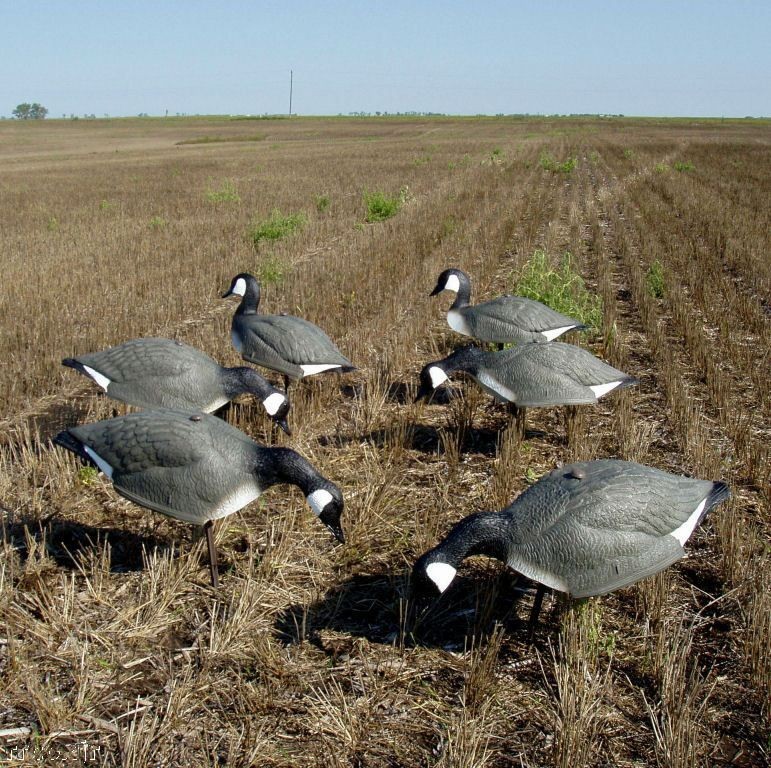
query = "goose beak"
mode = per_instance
[
  {"x": 283, "y": 424},
  {"x": 438, "y": 289},
  {"x": 337, "y": 531},
  {"x": 425, "y": 391},
  {"x": 227, "y": 293}
]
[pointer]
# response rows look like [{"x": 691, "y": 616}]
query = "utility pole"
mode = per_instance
[{"x": 290, "y": 93}]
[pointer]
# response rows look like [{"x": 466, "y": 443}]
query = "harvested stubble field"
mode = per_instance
[{"x": 113, "y": 645}]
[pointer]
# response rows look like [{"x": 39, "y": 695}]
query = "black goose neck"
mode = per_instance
[
  {"x": 242, "y": 379},
  {"x": 467, "y": 359},
  {"x": 463, "y": 297},
  {"x": 251, "y": 298},
  {"x": 283, "y": 465},
  {"x": 483, "y": 533}
]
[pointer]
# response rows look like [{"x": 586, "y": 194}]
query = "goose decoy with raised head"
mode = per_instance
[
  {"x": 585, "y": 529},
  {"x": 283, "y": 343},
  {"x": 530, "y": 375},
  {"x": 196, "y": 468},
  {"x": 505, "y": 320},
  {"x": 163, "y": 373}
]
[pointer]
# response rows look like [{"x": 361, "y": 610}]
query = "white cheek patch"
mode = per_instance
[
  {"x": 603, "y": 389},
  {"x": 239, "y": 289},
  {"x": 273, "y": 402},
  {"x": 99, "y": 461},
  {"x": 99, "y": 378},
  {"x": 452, "y": 284},
  {"x": 318, "y": 500},
  {"x": 683, "y": 533},
  {"x": 555, "y": 332},
  {"x": 441, "y": 574},
  {"x": 438, "y": 376},
  {"x": 309, "y": 370}
]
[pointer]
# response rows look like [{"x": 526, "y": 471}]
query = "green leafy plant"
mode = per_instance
[
  {"x": 158, "y": 222},
  {"x": 661, "y": 168},
  {"x": 276, "y": 227},
  {"x": 654, "y": 279},
  {"x": 106, "y": 205},
  {"x": 548, "y": 163},
  {"x": 562, "y": 289},
  {"x": 683, "y": 166},
  {"x": 87, "y": 475},
  {"x": 272, "y": 270},
  {"x": 322, "y": 203},
  {"x": 381, "y": 207},
  {"x": 225, "y": 194},
  {"x": 628, "y": 154}
]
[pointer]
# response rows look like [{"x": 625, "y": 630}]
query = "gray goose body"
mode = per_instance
[
  {"x": 163, "y": 373},
  {"x": 284, "y": 343},
  {"x": 504, "y": 320},
  {"x": 531, "y": 375},
  {"x": 585, "y": 529},
  {"x": 195, "y": 467}
]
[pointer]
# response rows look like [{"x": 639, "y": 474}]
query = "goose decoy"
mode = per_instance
[
  {"x": 505, "y": 320},
  {"x": 196, "y": 468},
  {"x": 585, "y": 529},
  {"x": 163, "y": 373},
  {"x": 284, "y": 343},
  {"x": 530, "y": 375}
]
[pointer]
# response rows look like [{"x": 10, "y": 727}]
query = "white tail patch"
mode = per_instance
[
  {"x": 555, "y": 332},
  {"x": 273, "y": 402},
  {"x": 438, "y": 376},
  {"x": 99, "y": 378},
  {"x": 309, "y": 370},
  {"x": 318, "y": 500},
  {"x": 99, "y": 461},
  {"x": 452, "y": 284},
  {"x": 603, "y": 389},
  {"x": 683, "y": 532},
  {"x": 239, "y": 289},
  {"x": 441, "y": 574}
]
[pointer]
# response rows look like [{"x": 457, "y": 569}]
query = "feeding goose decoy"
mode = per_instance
[
  {"x": 163, "y": 373},
  {"x": 585, "y": 529},
  {"x": 504, "y": 320},
  {"x": 196, "y": 468},
  {"x": 530, "y": 375},
  {"x": 284, "y": 343}
]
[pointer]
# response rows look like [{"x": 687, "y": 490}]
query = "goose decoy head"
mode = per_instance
[
  {"x": 240, "y": 284},
  {"x": 431, "y": 377},
  {"x": 431, "y": 576},
  {"x": 277, "y": 407},
  {"x": 449, "y": 280},
  {"x": 327, "y": 502}
]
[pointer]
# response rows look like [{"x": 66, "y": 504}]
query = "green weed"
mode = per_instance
[
  {"x": 322, "y": 203},
  {"x": 661, "y": 168},
  {"x": 683, "y": 166},
  {"x": 158, "y": 222},
  {"x": 548, "y": 163},
  {"x": 225, "y": 194},
  {"x": 272, "y": 270},
  {"x": 381, "y": 207},
  {"x": 562, "y": 289},
  {"x": 654, "y": 279},
  {"x": 87, "y": 475},
  {"x": 106, "y": 205},
  {"x": 276, "y": 226}
]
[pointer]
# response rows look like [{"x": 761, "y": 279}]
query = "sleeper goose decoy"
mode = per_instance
[
  {"x": 163, "y": 373},
  {"x": 284, "y": 343},
  {"x": 585, "y": 529},
  {"x": 504, "y": 320},
  {"x": 530, "y": 375},
  {"x": 196, "y": 468}
]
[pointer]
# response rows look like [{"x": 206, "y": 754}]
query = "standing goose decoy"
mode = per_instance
[
  {"x": 283, "y": 343},
  {"x": 196, "y": 468},
  {"x": 530, "y": 375},
  {"x": 505, "y": 320},
  {"x": 585, "y": 529},
  {"x": 162, "y": 373}
]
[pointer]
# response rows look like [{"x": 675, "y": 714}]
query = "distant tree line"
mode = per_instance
[{"x": 30, "y": 111}]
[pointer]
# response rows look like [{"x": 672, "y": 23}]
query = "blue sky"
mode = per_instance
[{"x": 118, "y": 57}]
